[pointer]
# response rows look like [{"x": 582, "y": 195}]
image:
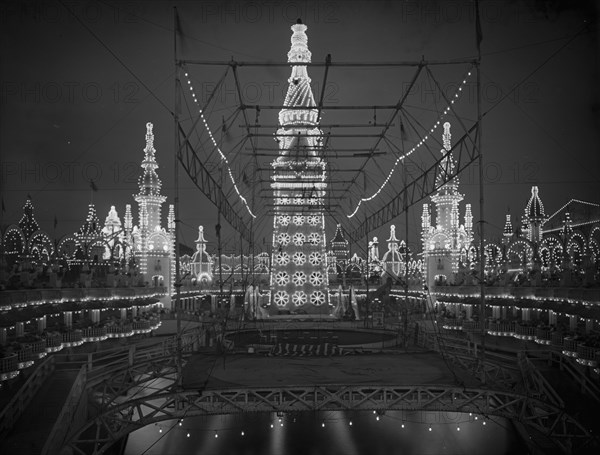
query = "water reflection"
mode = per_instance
[{"x": 328, "y": 433}]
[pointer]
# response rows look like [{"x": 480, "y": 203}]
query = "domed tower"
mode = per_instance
[
  {"x": 299, "y": 279},
  {"x": 113, "y": 235},
  {"x": 534, "y": 216}
]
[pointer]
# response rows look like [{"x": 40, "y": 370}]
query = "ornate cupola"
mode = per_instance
[{"x": 534, "y": 216}]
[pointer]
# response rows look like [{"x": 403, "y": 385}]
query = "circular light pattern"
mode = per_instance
[
  {"x": 299, "y": 298},
  {"x": 284, "y": 220},
  {"x": 316, "y": 278},
  {"x": 281, "y": 298},
  {"x": 313, "y": 220},
  {"x": 299, "y": 278},
  {"x": 299, "y": 258},
  {"x": 299, "y": 239},
  {"x": 314, "y": 258},
  {"x": 282, "y": 278},
  {"x": 317, "y": 298},
  {"x": 283, "y": 238},
  {"x": 282, "y": 258},
  {"x": 314, "y": 238},
  {"x": 298, "y": 219}
]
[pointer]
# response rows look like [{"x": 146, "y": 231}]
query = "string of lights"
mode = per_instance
[
  {"x": 223, "y": 157},
  {"x": 281, "y": 420},
  {"x": 414, "y": 148}
]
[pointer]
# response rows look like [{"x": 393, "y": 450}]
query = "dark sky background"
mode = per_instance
[{"x": 71, "y": 111}]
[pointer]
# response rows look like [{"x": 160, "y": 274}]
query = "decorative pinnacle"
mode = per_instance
[
  {"x": 446, "y": 136},
  {"x": 149, "y": 137}
]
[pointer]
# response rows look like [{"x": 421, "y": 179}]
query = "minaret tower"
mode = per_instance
[
  {"x": 153, "y": 244},
  {"x": 445, "y": 240},
  {"x": 447, "y": 197},
  {"x": 299, "y": 277}
]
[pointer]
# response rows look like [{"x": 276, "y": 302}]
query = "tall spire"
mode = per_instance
[
  {"x": 149, "y": 182},
  {"x": 425, "y": 217},
  {"x": 447, "y": 165},
  {"x": 28, "y": 223},
  {"x": 468, "y": 218},
  {"x": 128, "y": 219}
]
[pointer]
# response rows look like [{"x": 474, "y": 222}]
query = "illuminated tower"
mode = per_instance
[
  {"x": 153, "y": 244},
  {"x": 299, "y": 279},
  {"x": 445, "y": 241}
]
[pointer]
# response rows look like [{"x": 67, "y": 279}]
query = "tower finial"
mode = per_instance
[
  {"x": 446, "y": 136},
  {"x": 149, "y": 137}
]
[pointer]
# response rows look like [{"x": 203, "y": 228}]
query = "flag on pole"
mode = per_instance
[
  {"x": 177, "y": 22},
  {"x": 93, "y": 186},
  {"x": 403, "y": 135},
  {"x": 478, "y": 25}
]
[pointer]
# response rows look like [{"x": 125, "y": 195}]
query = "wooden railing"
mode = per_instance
[
  {"x": 36, "y": 296},
  {"x": 71, "y": 415},
  {"x": 585, "y": 294},
  {"x": 11, "y": 413}
]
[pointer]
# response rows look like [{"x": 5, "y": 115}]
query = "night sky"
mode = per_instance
[{"x": 72, "y": 111}]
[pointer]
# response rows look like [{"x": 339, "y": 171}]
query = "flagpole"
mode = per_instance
[
  {"x": 478, "y": 37},
  {"x": 177, "y": 284}
]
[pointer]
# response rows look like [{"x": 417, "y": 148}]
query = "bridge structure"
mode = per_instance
[{"x": 121, "y": 391}]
